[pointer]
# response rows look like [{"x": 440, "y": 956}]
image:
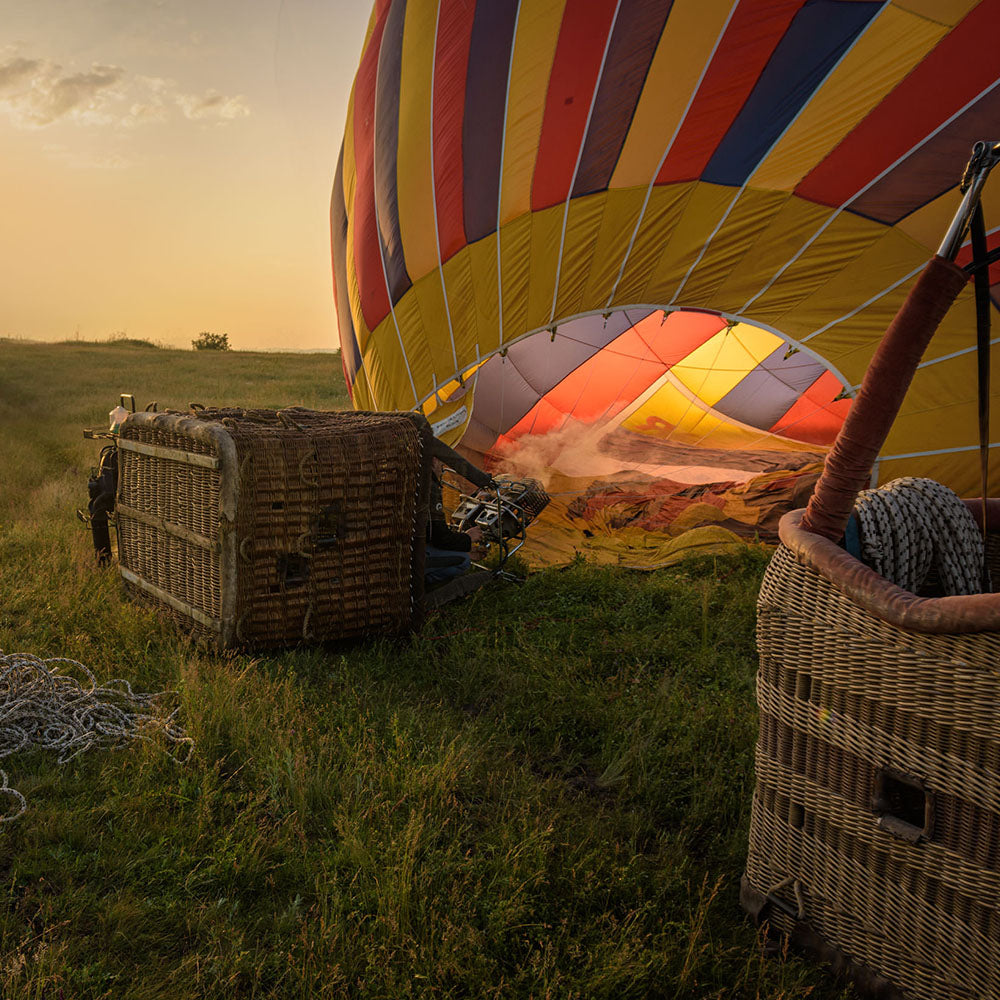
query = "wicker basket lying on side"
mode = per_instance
[
  {"x": 271, "y": 527},
  {"x": 875, "y": 830}
]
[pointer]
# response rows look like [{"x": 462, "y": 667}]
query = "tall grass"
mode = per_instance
[{"x": 544, "y": 794}]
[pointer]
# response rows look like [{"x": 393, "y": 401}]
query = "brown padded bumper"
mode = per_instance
[
  {"x": 884, "y": 600},
  {"x": 848, "y": 466}
]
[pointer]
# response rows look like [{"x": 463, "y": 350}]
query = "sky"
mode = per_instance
[{"x": 166, "y": 168}]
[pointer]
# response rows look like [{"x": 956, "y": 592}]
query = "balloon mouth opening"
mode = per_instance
[{"x": 648, "y": 394}]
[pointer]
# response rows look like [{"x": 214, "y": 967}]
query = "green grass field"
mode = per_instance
[{"x": 545, "y": 794}]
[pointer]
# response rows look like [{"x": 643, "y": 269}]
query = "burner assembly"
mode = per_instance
[{"x": 502, "y": 511}]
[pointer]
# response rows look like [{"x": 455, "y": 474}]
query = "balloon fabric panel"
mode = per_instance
[
  {"x": 367, "y": 241},
  {"x": 350, "y": 353},
  {"x": 451, "y": 63},
  {"x": 637, "y": 31},
  {"x": 817, "y": 37},
  {"x": 386, "y": 148},
  {"x": 578, "y": 60},
  {"x": 754, "y": 32},
  {"x": 959, "y": 68},
  {"x": 413, "y": 172},
  {"x": 538, "y": 24},
  {"x": 485, "y": 114}
]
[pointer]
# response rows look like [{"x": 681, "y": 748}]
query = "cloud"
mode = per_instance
[
  {"x": 36, "y": 93},
  {"x": 89, "y": 96},
  {"x": 16, "y": 70},
  {"x": 152, "y": 102},
  {"x": 213, "y": 106}
]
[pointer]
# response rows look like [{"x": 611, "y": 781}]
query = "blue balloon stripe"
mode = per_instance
[
  {"x": 338, "y": 235},
  {"x": 818, "y": 36},
  {"x": 770, "y": 389},
  {"x": 485, "y": 104}
]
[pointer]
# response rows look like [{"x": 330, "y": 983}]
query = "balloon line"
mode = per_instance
[
  {"x": 936, "y": 451},
  {"x": 864, "y": 305},
  {"x": 954, "y": 354}
]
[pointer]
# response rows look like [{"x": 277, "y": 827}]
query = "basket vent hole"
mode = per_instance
[
  {"x": 904, "y": 806},
  {"x": 330, "y": 525},
  {"x": 903, "y": 801},
  {"x": 293, "y": 569},
  {"x": 803, "y": 687},
  {"x": 278, "y": 505},
  {"x": 796, "y": 816}
]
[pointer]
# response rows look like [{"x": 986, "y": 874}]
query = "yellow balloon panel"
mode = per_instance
[
  {"x": 672, "y": 412},
  {"x": 721, "y": 363}
]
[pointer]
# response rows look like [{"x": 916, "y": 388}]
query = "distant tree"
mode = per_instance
[{"x": 206, "y": 341}]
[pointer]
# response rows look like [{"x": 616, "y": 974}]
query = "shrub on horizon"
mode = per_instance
[{"x": 206, "y": 341}]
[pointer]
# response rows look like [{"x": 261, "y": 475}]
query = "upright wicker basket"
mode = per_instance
[
  {"x": 875, "y": 826},
  {"x": 259, "y": 527}
]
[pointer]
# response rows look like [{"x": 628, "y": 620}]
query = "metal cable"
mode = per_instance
[
  {"x": 911, "y": 527},
  {"x": 43, "y": 707}
]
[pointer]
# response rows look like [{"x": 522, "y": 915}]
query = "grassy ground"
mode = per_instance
[{"x": 545, "y": 794}]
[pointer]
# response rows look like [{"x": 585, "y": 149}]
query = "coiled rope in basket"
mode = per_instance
[
  {"x": 44, "y": 707},
  {"x": 912, "y": 529}
]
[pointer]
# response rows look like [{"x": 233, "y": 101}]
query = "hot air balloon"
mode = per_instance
[{"x": 649, "y": 248}]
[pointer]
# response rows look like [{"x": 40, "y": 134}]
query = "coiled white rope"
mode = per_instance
[
  {"x": 42, "y": 706},
  {"x": 911, "y": 526}
]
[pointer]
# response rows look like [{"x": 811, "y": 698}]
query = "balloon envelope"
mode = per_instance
[{"x": 680, "y": 224}]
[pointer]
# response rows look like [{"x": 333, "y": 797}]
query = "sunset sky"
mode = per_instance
[{"x": 166, "y": 167}]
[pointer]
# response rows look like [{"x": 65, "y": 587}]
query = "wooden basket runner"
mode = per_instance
[{"x": 270, "y": 527}]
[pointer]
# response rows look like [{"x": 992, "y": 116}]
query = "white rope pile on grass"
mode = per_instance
[
  {"x": 43, "y": 707},
  {"x": 912, "y": 526}
]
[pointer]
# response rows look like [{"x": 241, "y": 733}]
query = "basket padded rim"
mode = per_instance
[{"x": 884, "y": 600}]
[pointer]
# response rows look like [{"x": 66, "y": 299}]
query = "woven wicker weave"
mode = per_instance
[
  {"x": 270, "y": 527},
  {"x": 875, "y": 829}
]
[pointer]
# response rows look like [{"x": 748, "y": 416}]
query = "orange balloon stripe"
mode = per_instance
[{"x": 816, "y": 416}]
